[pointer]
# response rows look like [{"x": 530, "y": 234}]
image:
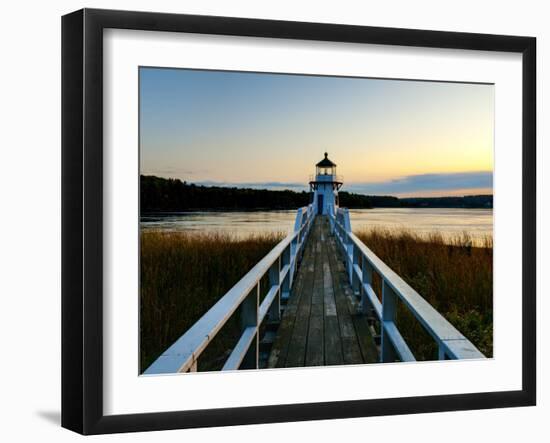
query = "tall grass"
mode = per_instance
[
  {"x": 455, "y": 275},
  {"x": 182, "y": 275}
]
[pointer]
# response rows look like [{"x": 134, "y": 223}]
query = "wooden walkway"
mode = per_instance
[{"x": 321, "y": 324}]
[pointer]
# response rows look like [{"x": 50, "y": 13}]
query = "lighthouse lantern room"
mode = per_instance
[{"x": 325, "y": 186}]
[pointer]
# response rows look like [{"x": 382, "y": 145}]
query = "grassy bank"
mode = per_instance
[
  {"x": 455, "y": 277},
  {"x": 182, "y": 275}
]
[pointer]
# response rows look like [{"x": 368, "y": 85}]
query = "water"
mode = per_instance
[
  {"x": 452, "y": 222},
  {"x": 240, "y": 224}
]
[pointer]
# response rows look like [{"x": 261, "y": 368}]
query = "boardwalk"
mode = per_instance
[{"x": 321, "y": 324}]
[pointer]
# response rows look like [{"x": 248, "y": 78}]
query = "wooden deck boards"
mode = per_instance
[{"x": 321, "y": 324}]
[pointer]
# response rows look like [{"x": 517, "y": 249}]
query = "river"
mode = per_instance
[{"x": 450, "y": 222}]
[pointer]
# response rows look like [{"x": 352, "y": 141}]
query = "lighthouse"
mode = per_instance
[{"x": 325, "y": 186}]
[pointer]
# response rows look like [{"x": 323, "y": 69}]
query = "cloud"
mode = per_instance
[
  {"x": 423, "y": 183},
  {"x": 173, "y": 172},
  {"x": 258, "y": 185}
]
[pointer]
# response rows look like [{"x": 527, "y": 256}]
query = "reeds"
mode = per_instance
[
  {"x": 182, "y": 275},
  {"x": 455, "y": 275}
]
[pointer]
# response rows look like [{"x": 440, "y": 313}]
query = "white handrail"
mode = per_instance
[
  {"x": 280, "y": 265},
  {"x": 361, "y": 262}
]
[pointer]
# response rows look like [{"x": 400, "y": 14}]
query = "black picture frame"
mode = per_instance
[{"x": 82, "y": 218}]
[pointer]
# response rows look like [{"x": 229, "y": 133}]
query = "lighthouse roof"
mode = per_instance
[{"x": 325, "y": 163}]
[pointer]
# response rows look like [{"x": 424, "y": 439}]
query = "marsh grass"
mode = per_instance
[
  {"x": 455, "y": 275},
  {"x": 182, "y": 275}
]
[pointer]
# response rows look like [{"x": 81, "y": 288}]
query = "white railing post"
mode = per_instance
[
  {"x": 286, "y": 284},
  {"x": 366, "y": 276},
  {"x": 274, "y": 280},
  {"x": 349, "y": 258},
  {"x": 303, "y": 227},
  {"x": 349, "y": 249},
  {"x": 293, "y": 258},
  {"x": 249, "y": 317},
  {"x": 389, "y": 310},
  {"x": 355, "y": 283},
  {"x": 298, "y": 219},
  {"x": 346, "y": 220},
  {"x": 441, "y": 354}
]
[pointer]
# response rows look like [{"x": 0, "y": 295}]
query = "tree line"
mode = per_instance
[{"x": 159, "y": 194}]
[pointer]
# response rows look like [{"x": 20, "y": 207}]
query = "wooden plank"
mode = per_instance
[
  {"x": 279, "y": 351},
  {"x": 318, "y": 326},
  {"x": 284, "y": 332},
  {"x": 369, "y": 351},
  {"x": 341, "y": 299},
  {"x": 328, "y": 289},
  {"x": 333, "y": 344},
  {"x": 315, "y": 342},
  {"x": 317, "y": 302},
  {"x": 351, "y": 350},
  {"x": 298, "y": 343},
  {"x": 345, "y": 302}
]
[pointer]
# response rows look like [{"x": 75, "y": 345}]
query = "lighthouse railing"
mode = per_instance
[
  {"x": 327, "y": 177},
  {"x": 279, "y": 265},
  {"x": 361, "y": 264}
]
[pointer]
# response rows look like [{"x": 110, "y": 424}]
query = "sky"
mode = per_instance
[{"x": 388, "y": 137}]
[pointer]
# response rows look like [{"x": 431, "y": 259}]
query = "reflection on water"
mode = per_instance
[
  {"x": 236, "y": 223},
  {"x": 449, "y": 222}
]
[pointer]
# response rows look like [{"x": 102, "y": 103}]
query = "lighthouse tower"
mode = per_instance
[{"x": 325, "y": 186}]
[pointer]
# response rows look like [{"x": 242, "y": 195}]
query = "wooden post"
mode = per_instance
[
  {"x": 389, "y": 309},
  {"x": 298, "y": 220},
  {"x": 349, "y": 257},
  {"x": 249, "y": 317},
  {"x": 274, "y": 280},
  {"x": 366, "y": 270},
  {"x": 355, "y": 283},
  {"x": 286, "y": 284}
]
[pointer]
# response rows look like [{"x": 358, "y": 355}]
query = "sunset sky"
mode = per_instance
[{"x": 391, "y": 137}]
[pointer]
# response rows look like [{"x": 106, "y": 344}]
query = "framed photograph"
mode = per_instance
[{"x": 269, "y": 221}]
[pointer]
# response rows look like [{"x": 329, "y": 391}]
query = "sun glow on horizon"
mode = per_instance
[{"x": 230, "y": 127}]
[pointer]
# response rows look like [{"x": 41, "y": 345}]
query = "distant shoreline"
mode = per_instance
[
  {"x": 161, "y": 195},
  {"x": 214, "y": 210}
]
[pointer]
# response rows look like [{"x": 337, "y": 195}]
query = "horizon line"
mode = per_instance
[{"x": 288, "y": 187}]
